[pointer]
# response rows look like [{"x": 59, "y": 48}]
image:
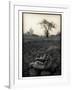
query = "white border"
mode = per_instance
[
  {"x": 15, "y": 46},
  {"x": 20, "y": 36}
]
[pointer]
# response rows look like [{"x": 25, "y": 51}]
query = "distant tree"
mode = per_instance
[
  {"x": 30, "y": 32},
  {"x": 47, "y": 26},
  {"x": 27, "y": 33}
]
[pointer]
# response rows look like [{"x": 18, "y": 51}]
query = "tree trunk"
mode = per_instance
[{"x": 47, "y": 33}]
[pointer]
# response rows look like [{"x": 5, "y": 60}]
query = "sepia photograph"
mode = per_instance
[{"x": 41, "y": 44}]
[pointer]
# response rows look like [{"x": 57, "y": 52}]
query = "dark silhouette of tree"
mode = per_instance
[{"x": 47, "y": 26}]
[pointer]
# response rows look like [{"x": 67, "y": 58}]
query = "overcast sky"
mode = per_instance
[{"x": 33, "y": 20}]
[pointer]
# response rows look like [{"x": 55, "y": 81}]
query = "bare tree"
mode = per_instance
[{"x": 47, "y": 26}]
